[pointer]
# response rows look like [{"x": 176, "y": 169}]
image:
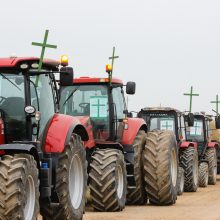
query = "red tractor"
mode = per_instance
[
  {"x": 43, "y": 162},
  {"x": 207, "y": 148},
  {"x": 116, "y": 144},
  {"x": 165, "y": 118}
]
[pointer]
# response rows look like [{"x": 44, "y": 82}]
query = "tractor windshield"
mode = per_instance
[
  {"x": 161, "y": 121},
  {"x": 88, "y": 100},
  {"x": 196, "y": 133},
  {"x": 12, "y": 103}
]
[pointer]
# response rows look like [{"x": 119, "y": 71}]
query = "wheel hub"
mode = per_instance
[
  {"x": 76, "y": 181},
  {"x": 196, "y": 172},
  {"x": 120, "y": 186},
  {"x": 174, "y": 167},
  {"x": 30, "y": 199}
]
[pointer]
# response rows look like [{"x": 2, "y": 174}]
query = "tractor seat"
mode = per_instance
[
  {"x": 14, "y": 107},
  {"x": 14, "y": 118}
]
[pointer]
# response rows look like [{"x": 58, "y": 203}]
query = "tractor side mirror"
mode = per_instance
[
  {"x": 130, "y": 115},
  {"x": 217, "y": 122},
  {"x": 190, "y": 119},
  {"x": 66, "y": 76},
  {"x": 130, "y": 88}
]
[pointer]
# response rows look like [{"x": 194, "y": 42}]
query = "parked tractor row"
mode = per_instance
[
  {"x": 56, "y": 142},
  {"x": 197, "y": 151}
]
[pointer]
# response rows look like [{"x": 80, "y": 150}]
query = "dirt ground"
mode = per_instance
[{"x": 202, "y": 205}]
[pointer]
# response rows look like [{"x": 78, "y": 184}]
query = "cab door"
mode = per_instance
[{"x": 119, "y": 111}]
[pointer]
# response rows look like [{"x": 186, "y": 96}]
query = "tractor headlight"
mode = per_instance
[
  {"x": 30, "y": 110},
  {"x": 24, "y": 66}
]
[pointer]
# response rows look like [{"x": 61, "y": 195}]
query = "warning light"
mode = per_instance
[
  {"x": 64, "y": 60},
  {"x": 108, "y": 68}
]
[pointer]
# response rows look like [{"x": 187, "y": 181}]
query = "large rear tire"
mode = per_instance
[
  {"x": 137, "y": 195},
  {"x": 161, "y": 167},
  {"x": 189, "y": 162},
  {"x": 107, "y": 180},
  {"x": 203, "y": 174},
  {"x": 71, "y": 183},
  {"x": 211, "y": 157},
  {"x": 19, "y": 191}
]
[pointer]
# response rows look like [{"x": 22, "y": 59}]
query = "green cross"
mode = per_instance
[
  {"x": 43, "y": 45},
  {"x": 168, "y": 126},
  {"x": 196, "y": 126},
  {"x": 191, "y": 94},
  {"x": 113, "y": 57},
  {"x": 217, "y": 101},
  {"x": 98, "y": 106}
]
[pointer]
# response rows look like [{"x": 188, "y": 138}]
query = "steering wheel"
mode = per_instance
[
  {"x": 2, "y": 99},
  {"x": 84, "y": 104}
]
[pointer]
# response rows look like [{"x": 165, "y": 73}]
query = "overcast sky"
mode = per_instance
[{"x": 165, "y": 46}]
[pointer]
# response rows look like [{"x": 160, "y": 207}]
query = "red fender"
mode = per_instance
[
  {"x": 86, "y": 122},
  {"x": 213, "y": 144},
  {"x": 186, "y": 144},
  {"x": 134, "y": 125},
  {"x": 58, "y": 132}
]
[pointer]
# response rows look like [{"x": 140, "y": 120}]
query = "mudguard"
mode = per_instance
[
  {"x": 58, "y": 133},
  {"x": 213, "y": 144},
  {"x": 86, "y": 122},
  {"x": 185, "y": 144},
  {"x": 134, "y": 125},
  {"x": 20, "y": 148}
]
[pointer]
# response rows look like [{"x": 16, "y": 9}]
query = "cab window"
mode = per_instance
[{"x": 45, "y": 98}]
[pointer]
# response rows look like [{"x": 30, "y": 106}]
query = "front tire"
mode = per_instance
[
  {"x": 19, "y": 191},
  {"x": 71, "y": 184},
  {"x": 107, "y": 180},
  {"x": 161, "y": 167},
  {"x": 189, "y": 162},
  {"x": 211, "y": 157},
  {"x": 137, "y": 195}
]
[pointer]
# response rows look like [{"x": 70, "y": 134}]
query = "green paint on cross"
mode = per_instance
[
  {"x": 191, "y": 94},
  {"x": 196, "y": 126},
  {"x": 217, "y": 101},
  {"x": 43, "y": 45},
  {"x": 167, "y": 126},
  {"x": 98, "y": 105},
  {"x": 113, "y": 57}
]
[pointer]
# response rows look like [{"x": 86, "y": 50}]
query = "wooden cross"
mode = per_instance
[
  {"x": 191, "y": 94},
  {"x": 113, "y": 57},
  {"x": 217, "y": 101},
  {"x": 44, "y": 45}
]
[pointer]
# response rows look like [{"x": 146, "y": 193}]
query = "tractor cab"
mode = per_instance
[
  {"x": 165, "y": 118},
  {"x": 42, "y": 147},
  {"x": 200, "y": 132},
  {"x": 24, "y": 107},
  {"x": 102, "y": 102}
]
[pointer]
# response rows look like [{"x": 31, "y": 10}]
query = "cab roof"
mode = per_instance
[
  {"x": 15, "y": 62},
  {"x": 164, "y": 109},
  {"x": 203, "y": 114},
  {"x": 88, "y": 80}
]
